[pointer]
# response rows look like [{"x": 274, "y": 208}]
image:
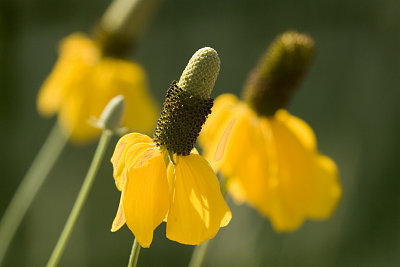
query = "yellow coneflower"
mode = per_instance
[
  {"x": 165, "y": 179},
  {"x": 84, "y": 80},
  {"x": 271, "y": 159}
]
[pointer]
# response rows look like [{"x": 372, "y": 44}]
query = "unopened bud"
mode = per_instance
[{"x": 111, "y": 117}]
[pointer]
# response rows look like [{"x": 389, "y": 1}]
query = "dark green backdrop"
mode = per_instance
[{"x": 350, "y": 98}]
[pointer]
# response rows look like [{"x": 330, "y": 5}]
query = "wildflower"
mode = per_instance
[
  {"x": 82, "y": 82},
  {"x": 271, "y": 159},
  {"x": 165, "y": 179}
]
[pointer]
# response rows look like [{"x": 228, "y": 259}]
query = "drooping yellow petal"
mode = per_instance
[
  {"x": 245, "y": 159},
  {"x": 307, "y": 186},
  {"x": 327, "y": 188},
  {"x": 69, "y": 88},
  {"x": 77, "y": 55},
  {"x": 118, "y": 158},
  {"x": 213, "y": 129},
  {"x": 299, "y": 128},
  {"x": 119, "y": 219},
  {"x": 146, "y": 195},
  {"x": 197, "y": 207}
]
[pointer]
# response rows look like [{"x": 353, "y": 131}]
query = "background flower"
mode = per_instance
[
  {"x": 83, "y": 81},
  {"x": 272, "y": 163}
]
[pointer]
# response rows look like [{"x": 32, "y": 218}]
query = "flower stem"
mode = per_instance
[
  {"x": 198, "y": 255},
  {"x": 133, "y": 259},
  {"x": 200, "y": 251},
  {"x": 80, "y": 200},
  {"x": 29, "y": 187}
]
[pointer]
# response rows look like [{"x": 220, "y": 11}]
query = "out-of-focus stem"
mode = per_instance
[{"x": 29, "y": 187}]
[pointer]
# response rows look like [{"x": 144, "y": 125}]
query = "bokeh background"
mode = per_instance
[{"x": 350, "y": 98}]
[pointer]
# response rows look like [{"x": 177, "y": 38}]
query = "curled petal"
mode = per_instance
[
  {"x": 119, "y": 219},
  {"x": 121, "y": 149},
  {"x": 146, "y": 195},
  {"x": 197, "y": 208}
]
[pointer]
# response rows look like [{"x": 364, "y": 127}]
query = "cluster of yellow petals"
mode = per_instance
[
  {"x": 272, "y": 163},
  {"x": 186, "y": 195},
  {"x": 83, "y": 81}
]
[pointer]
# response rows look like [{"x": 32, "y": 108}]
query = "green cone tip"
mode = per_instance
[{"x": 201, "y": 72}]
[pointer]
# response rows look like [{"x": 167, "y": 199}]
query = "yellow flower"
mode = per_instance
[
  {"x": 187, "y": 196},
  {"x": 272, "y": 163},
  {"x": 83, "y": 81},
  {"x": 165, "y": 179},
  {"x": 271, "y": 159}
]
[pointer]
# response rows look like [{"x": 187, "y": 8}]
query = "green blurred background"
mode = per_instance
[{"x": 350, "y": 98}]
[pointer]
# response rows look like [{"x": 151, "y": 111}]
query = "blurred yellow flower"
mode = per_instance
[
  {"x": 272, "y": 163},
  {"x": 271, "y": 159},
  {"x": 185, "y": 195},
  {"x": 84, "y": 80}
]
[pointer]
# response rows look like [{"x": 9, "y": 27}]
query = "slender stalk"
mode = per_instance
[
  {"x": 133, "y": 258},
  {"x": 29, "y": 187},
  {"x": 82, "y": 196},
  {"x": 199, "y": 254}
]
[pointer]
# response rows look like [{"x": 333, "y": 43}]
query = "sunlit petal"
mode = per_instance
[
  {"x": 119, "y": 155},
  {"x": 197, "y": 207},
  {"x": 146, "y": 199}
]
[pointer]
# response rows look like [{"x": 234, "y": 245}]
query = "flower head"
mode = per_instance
[
  {"x": 165, "y": 179},
  {"x": 271, "y": 159},
  {"x": 83, "y": 81}
]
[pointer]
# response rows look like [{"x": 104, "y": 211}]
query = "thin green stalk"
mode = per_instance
[
  {"x": 199, "y": 254},
  {"x": 133, "y": 259},
  {"x": 83, "y": 193},
  {"x": 200, "y": 251},
  {"x": 29, "y": 187}
]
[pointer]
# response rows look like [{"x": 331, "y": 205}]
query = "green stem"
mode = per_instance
[
  {"x": 80, "y": 200},
  {"x": 198, "y": 255},
  {"x": 133, "y": 259},
  {"x": 200, "y": 251},
  {"x": 29, "y": 187}
]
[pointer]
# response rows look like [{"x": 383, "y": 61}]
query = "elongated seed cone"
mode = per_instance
[
  {"x": 279, "y": 72},
  {"x": 188, "y": 103}
]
